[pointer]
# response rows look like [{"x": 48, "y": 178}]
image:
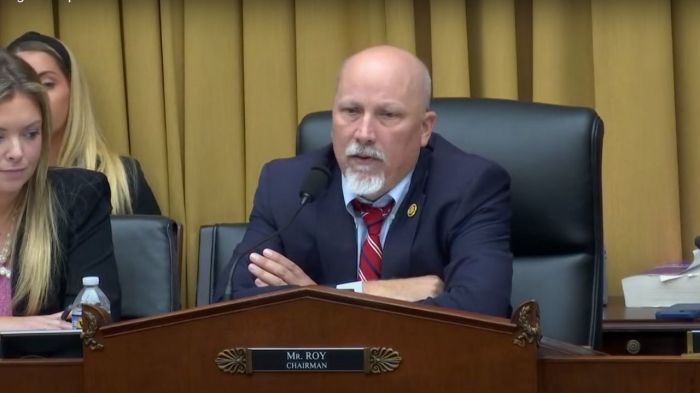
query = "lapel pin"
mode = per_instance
[{"x": 412, "y": 210}]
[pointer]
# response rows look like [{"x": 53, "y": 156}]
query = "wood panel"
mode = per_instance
[
  {"x": 441, "y": 350},
  {"x": 639, "y": 374},
  {"x": 41, "y": 375}
]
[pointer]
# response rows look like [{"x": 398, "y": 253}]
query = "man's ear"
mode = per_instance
[{"x": 427, "y": 124}]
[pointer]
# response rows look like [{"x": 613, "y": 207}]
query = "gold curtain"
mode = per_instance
[{"x": 203, "y": 92}]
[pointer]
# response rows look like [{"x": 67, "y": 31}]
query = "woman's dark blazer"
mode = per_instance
[
  {"x": 142, "y": 199},
  {"x": 82, "y": 206}
]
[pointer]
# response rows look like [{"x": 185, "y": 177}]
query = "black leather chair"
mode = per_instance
[
  {"x": 147, "y": 250},
  {"x": 216, "y": 245},
  {"x": 553, "y": 154}
]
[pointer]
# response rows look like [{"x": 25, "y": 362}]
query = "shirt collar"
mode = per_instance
[{"x": 397, "y": 193}]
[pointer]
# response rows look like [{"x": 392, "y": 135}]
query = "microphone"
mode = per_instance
[{"x": 315, "y": 182}]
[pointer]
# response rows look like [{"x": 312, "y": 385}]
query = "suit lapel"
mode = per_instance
[
  {"x": 335, "y": 231},
  {"x": 396, "y": 259}
]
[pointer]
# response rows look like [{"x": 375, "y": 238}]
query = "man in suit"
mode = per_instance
[{"x": 406, "y": 215}]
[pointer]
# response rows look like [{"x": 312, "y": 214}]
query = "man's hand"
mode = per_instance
[
  {"x": 409, "y": 289},
  {"x": 273, "y": 268}
]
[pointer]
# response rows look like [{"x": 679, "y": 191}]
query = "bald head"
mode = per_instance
[
  {"x": 380, "y": 118},
  {"x": 394, "y": 62}
]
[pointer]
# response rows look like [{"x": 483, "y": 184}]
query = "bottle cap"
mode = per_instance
[{"x": 91, "y": 280}]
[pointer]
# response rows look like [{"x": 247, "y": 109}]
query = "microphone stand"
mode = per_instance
[{"x": 315, "y": 182}]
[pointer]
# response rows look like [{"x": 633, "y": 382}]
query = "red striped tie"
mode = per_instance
[{"x": 371, "y": 256}]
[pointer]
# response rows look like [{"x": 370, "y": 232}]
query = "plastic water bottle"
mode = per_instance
[{"x": 90, "y": 294}]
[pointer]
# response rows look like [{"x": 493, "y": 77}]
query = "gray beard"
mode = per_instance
[{"x": 363, "y": 184}]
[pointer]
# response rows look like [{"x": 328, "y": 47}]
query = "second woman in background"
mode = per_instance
[{"x": 76, "y": 140}]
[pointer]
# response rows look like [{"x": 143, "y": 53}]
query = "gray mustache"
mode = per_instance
[{"x": 356, "y": 149}]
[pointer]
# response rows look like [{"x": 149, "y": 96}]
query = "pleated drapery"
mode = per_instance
[{"x": 203, "y": 92}]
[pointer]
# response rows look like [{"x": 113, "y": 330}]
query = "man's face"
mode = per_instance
[{"x": 379, "y": 125}]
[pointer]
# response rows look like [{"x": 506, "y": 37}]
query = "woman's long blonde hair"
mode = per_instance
[
  {"x": 35, "y": 223},
  {"x": 83, "y": 145}
]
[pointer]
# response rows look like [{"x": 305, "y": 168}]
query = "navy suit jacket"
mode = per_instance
[{"x": 459, "y": 232}]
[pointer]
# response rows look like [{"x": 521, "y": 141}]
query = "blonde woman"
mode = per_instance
[
  {"x": 76, "y": 140},
  {"x": 54, "y": 223}
]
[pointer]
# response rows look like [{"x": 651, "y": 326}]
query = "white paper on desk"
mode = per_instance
[
  {"x": 664, "y": 285},
  {"x": 687, "y": 272}
]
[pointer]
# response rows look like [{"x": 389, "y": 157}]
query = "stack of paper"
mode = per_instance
[{"x": 664, "y": 285}]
